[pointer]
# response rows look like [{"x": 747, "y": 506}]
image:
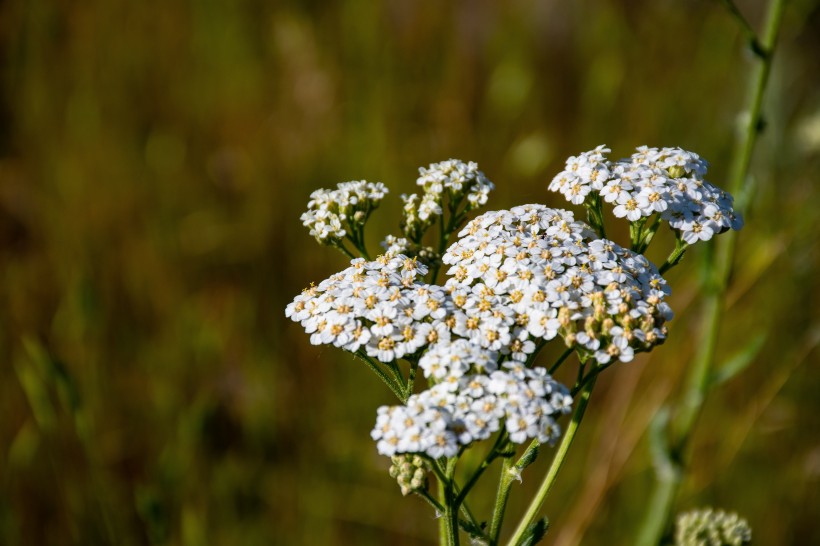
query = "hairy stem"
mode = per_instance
[
  {"x": 397, "y": 389},
  {"x": 501, "y": 498}
]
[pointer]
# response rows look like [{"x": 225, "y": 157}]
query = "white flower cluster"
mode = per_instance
[
  {"x": 377, "y": 306},
  {"x": 452, "y": 177},
  {"x": 518, "y": 276},
  {"x": 466, "y": 407},
  {"x": 331, "y": 212},
  {"x": 533, "y": 272},
  {"x": 665, "y": 181},
  {"x": 457, "y": 178}
]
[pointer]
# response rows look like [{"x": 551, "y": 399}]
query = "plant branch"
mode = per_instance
[
  {"x": 535, "y": 506},
  {"x": 670, "y": 460},
  {"x": 560, "y": 360},
  {"x": 390, "y": 382}
]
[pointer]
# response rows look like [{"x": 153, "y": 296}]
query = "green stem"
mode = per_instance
[
  {"x": 560, "y": 360},
  {"x": 442, "y": 520},
  {"x": 649, "y": 234},
  {"x": 595, "y": 214},
  {"x": 675, "y": 256},
  {"x": 399, "y": 378},
  {"x": 745, "y": 27},
  {"x": 535, "y": 506},
  {"x": 465, "y": 510},
  {"x": 357, "y": 238},
  {"x": 670, "y": 461},
  {"x": 452, "y": 224},
  {"x": 430, "y": 500},
  {"x": 501, "y": 498},
  {"x": 395, "y": 387},
  {"x": 343, "y": 249},
  {"x": 491, "y": 456},
  {"x": 585, "y": 379},
  {"x": 411, "y": 377},
  {"x": 442, "y": 240},
  {"x": 450, "y": 510},
  {"x": 448, "y": 521},
  {"x": 636, "y": 233}
]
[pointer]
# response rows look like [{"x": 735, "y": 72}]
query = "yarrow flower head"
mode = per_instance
[
  {"x": 458, "y": 179},
  {"x": 584, "y": 173},
  {"x": 377, "y": 307},
  {"x": 331, "y": 213},
  {"x": 516, "y": 280},
  {"x": 466, "y": 407},
  {"x": 665, "y": 181},
  {"x": 708, "y": 527},
  {"x": 533, "y": 273}
]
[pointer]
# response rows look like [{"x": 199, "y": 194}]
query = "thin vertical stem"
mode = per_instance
[
  {"x": 535, "y": 506},
  {"x": 501, "y": 498},
  {"x": 450, "y": 509},
  {"x": 670, "y": 464},
  {"x": 442, "y": 518}
]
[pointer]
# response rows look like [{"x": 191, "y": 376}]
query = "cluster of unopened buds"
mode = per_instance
[
  {"x": 410, "y": 471},
  {"x": 709, "y": 527}
]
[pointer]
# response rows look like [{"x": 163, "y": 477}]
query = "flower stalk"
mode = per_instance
[
  {"x": 670, "y": 462},
  {"x": 531, "y": 514}
]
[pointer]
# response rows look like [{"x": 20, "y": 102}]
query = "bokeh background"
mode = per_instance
[{"x": 155, "y": 157}]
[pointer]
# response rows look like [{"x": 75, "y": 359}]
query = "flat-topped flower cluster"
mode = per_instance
[
  {"x": 377, "y": 307},
  {"x": 665, "y": 181},
  {"x": 472, "y": 399},
  {"x": 533, "y": 273},
  {"x": 517, "y": 279}
]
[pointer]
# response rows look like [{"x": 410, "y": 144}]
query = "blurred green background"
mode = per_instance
[{"x": 155, "y": 157}]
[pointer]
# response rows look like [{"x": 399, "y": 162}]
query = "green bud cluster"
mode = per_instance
[
  {"x": 708, "y": 527},
  {"x": 410, "y": 471}
]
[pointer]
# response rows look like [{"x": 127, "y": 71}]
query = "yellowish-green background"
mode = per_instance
[{"x": 155, "y": 157}]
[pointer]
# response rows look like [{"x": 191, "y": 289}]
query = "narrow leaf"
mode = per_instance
[
  {"x": 535, "y": 533},
  {"x": 739, "y": 361}
]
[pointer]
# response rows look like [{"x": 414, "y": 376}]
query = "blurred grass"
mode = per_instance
[{"x": 154, "y": 160}]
